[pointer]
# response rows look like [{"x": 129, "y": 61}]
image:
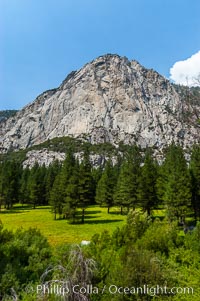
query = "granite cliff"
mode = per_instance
[{"x": 110, "y": 99}]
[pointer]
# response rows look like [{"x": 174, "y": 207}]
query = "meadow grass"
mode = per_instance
[{"x": 60, "y": 231}]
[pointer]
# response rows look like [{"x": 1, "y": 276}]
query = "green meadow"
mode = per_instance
[{"x": 60, "y": 231}]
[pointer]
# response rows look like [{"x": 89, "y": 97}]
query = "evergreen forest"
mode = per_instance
[{"x": 148, "y": 250}]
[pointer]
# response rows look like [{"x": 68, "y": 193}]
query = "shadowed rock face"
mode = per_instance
[{"x": 110, "y": 99}]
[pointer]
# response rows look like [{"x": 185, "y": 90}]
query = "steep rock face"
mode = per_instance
[
  {"x": 46, "y": 157},
  {"x": 110, "y": 99}
]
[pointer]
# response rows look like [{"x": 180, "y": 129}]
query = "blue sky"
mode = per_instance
[{"x": 43, "y": 40}]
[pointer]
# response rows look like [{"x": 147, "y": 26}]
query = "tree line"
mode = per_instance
[{"x": 136, "y": 180}]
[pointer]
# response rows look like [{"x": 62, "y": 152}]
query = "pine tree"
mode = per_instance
[
  {"x": 195, "y": 180},
  {"x": 147, "y": 197},
  {"x": 122, "y": 195},
  {"x": 134, "y": 159},
  {"x": 56, "y": 197},
  {"x": 127, "y": 183},
  {"x": 52, "y": 172},
  {"x": 105, "y": 187},
  {"x": 72, "y": 195},
  {"x": 34, "y": 192},
  {"x": 65, "y": 175},
  {"x": 96, "y": 175},
  {"x": 58, "y": 191},
  {"x": 86, "y": 184},
  {"x": 41, "y": 182},
  {"x": 1, "y": 185},
  {"x": 176, "y": 183},
  {"x": 24, "y": 191},
  {"x": 11, "y": 173}
]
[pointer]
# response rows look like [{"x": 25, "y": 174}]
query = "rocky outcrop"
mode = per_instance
[
  {"x": 110, "y": 99},
  {"x": 46, "y": 157},
  {"x": 43, "y": 156}
]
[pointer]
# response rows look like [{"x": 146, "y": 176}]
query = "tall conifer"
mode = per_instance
[
  {"x": 176, "y": 183},
  {"x": 147, "y": 196}
]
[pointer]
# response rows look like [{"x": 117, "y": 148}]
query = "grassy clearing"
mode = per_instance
[{"x": 60, "y": 231}]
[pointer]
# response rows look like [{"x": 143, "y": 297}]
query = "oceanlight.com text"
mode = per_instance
[{"x": 150, "y": 290}]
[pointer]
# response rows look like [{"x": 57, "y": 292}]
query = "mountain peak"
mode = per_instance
[{"x": 110, "y": 99}]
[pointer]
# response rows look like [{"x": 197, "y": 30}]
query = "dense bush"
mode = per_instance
[
  {"x": 23, "y": 257},
  {"x": 147, "y": 252}
]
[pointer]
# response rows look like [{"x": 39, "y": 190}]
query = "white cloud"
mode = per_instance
[{"x": 185, "y": 72}]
